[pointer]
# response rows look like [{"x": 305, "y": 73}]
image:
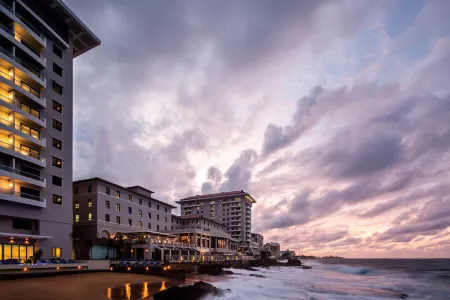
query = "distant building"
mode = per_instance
[
  {"x": 233, "y": 209},
  {"x": 274, "y": 249},
  {"x": 287, "y": 253},
  {"x": 258, "y": 238}
]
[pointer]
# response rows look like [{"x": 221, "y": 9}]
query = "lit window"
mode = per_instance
[
  {"x": 56, "y": 252},
  {"x": 57, "y": 144},
  {"x": 89, "y": 203},
  {"x": 118, "y": 194},
  {"x": 118, "y": 220},
  {"x": 77, "y": 218},
  {"x": 140, "y": 213},
  {"x": 57, "y": 106},
  {"x": 57, "y": 199},
  {"x": 140, "y": 224},
  {"x": 118, "y": 207},
  {"x": 89, "y": 216},
  {"x": 77, "y": 204}
]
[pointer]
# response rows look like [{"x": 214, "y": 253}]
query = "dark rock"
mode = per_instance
[
  {"x": 250, "y": 269},
  {"x": 210, "y": 270},
  {"x": 294, "y": 262},
  {"x": 191, "y": 292},
  {"x": 227, "y": 272},
  {"x": 256, "y": 275}
]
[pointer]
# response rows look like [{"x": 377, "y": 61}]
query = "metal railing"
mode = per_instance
[
  {"x": 23, "y": 173},
  {"x": 22, "y": 63},
  {"x": 205, "y": 258},
  {"x": 28, "y": 45},
  {"x": 22, "y": 129},
  {"x": 22, "y": 151},
  {"x": 174, "y": 244},
  {"x": 22, "y": 195},
  {"x": 28, "y": 88},
  {"x": 8, "y": 30}
]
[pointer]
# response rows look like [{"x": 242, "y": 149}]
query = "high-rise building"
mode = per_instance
[
  {"x": 38, "y": 41},
  {"x": 233, "y": 209},
  {"x": 258, "y": 239}
]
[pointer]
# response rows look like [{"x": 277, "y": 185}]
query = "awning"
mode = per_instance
[{"x": 23, "y": 236}]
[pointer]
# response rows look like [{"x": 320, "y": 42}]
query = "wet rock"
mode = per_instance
[
  {"x": 250, "y": 269},
  {"x": 227, "y": 272},
  {"x": 256, "y": 275},
  {"x": 192, "y": 292},
  {"x": 294, "y": 262}
]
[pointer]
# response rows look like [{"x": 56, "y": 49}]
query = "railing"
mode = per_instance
[
  {"x": 22, "y": 195},
  {"x": 22, "y": 151},
  {"x": 36, "y": 31},
  {"x": 8, "y": 30},
  {"x": 205, "y": 258},
  {"x": 174, "y": 244},
  {"x": 6, "y": 5},
  {"x": 22, "y": 129},
  {"x": 28, "y": 45},
  {"x": 23, "y": 173},
  {"x": 28, "y": 88},
  {"x": 21, "y": 62}
]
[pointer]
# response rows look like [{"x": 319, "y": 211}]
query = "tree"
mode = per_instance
[
  {"x": 109, "y": 243},
  {"x": 37, "y": 255},
  {"x": 75, "y": 236}
]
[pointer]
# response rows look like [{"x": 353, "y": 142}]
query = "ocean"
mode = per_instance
[{"x": 424, "y": 279}]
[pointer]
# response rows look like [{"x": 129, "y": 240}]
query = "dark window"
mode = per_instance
[
  {"x": 149, "y": 215},
  {"x": 30, "y": 110},
  {"x": 57, "y": 69},
  {"x": 25, "y": 224},
  {"x": 56, "y": 162},
  {"x": 106, "y": 217},
  {"x": 130, "y": 198},
  {"x": 57, "y": 106},
  {"x": 165, "y": 227},
  {"x": 129, "y": 210},
  {"x": 57, "y": 144},
  {"x": 118, "y": 220},
  {"x": 157, "y": 207},
  {"x": 108, "y": 191},
  {"x": 157, "y": 227},
  {"x": 57, "y": 199},
  {"x": 157, "y": 217},
  {"x": 89, "y": 188},
  {"x": 58, "y": 181},
  {"x": 58, "y": 51},
  {"x": 149, "y": 204},
  {"x": 75, "y": 191},
  {"x": 165, "y": 219},
  {"x": 57, "y": 125},
  {"x": 140, "y": 201},
  {"x": 118, "y": 194},
  {"x": 107, "y": 204},
  {"x": 149, "y": 226},
  {"x": 165, "y": 208},
  {"x": 129, "y": 222},
  {"x": 57, "y": 87}
]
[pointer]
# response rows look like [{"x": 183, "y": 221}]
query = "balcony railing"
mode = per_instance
[
  {"x": 22, "y": 151},
  {"x": 21, "y": 19},
  {"x": 23, "y": 173},
  {"x": 22, "y": 195},
  {"x": 22, "y": 129},
  {"x": 33, "y": 70}
]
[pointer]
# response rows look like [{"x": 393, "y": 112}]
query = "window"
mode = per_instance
[
  {"x": 118, "y": 194},
  {"x": 157, "y": 217},
  {"x": 157, "y": 207},
  {"x": 57, "y": 87},
  {"x": 140, "y": 213},
  {"x": 56, "y": 252},
  {"x": 107, "y": 204},
  {"x": 58, "y": 51},
  {"x": 57, "y": 143},
  {"x": 165, "y": 219},
  {"x": 57, "y": 199},
  {"x": 149, "y": 215},
  {"x": 57, "y": 69},
  {"x": 157, "y": 227},
  {"x": 25, "y": 224},
  {"x": 90, "y": 203},
  {"x": 149, "y": 204},
  {"x": 118, "y": 220},
  {"x": 165, "y": 209},
  {"x": 140, "y": 201},
  {"x": 165, "y": 227},
  {"x": 130, "y": 198},
  {"x": 90, "y": 217},
  {"x": 108, "y": 191},
  {"x": 30, "y": 110},
  {"x": 129, "y": 210},
  {"x": 77, "y": 204},
  {"x": 57, "y": 180},
  {"x": 57, "y": 106},
  {"x": 149, "y": 225},
  {"x": 57, "y": 125},
  {"x": 57, "y": 162},
  {"x": 106, "y": 217},
  {"x": 118, "y": 207},
  {"x": 140, "y": 224},
  {"x": 89, "y": 188},
  {"x": 129, "y": 222},
  {"x": 75, "y": 191},
  {"x": 77, "y": 218}
]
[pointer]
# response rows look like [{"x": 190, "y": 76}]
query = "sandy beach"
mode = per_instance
[{"x": 83, "y": 286}]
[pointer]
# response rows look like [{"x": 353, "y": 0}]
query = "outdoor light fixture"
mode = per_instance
[
  {"x": 129, "y": 269},
  {"x": 10, "y": 184},
  {"x": 25, "y": 269},
  {"x": 146, "y": 268},
  {"x": 111, "y": 269},
  {"x": 57, "y": 268},
  {"x": 79, "y": 267},
  {"x": 11, "y": 240},
  {"x": 10, "y": 117},
  {"x": 26, "y": 241}
]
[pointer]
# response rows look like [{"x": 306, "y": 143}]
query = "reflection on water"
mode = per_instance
[{"x": 137, "y": 291}]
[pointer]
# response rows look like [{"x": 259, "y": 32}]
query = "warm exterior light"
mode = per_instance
[
  {"x": 11, "y": 240},
  {"x": 11, "y": 95},
  {"x": 57, "y": 268},
  {"x": 146, "y": 250},
  {"x": 181, "y": 258},
  {"x": 168, "y": 267},
  {"x": 26, "y": 241},
  {"x": 165, "y": 268},
  {"x": 25, "y": 269},
  {"x": 131, "y": 250},
  {"x": 128, "y": 268},
  {"x": 10, "y": 184},
  {"x": 111, "y": 269},
  {"x": 146, "y": 268},
  {"x": 10, "y": 117},
  {"x": 79, "y": 267},
  {"x": 11, "y": 73}
]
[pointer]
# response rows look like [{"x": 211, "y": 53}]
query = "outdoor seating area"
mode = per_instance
[
  {"x": 14, "y": 268},
  {"x": 38, "y": 262}
]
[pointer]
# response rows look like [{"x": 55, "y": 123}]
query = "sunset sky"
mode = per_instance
[{"x": 334, "y": 115}]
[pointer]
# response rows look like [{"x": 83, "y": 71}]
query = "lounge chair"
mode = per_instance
[{"x": 14, "y": 262}]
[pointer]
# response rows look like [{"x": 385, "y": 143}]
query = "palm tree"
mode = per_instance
[
  {"x": 109, "y": 243},
  {"x": 75, "y": 236}
]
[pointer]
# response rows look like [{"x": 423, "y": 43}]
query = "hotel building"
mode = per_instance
[
  {"x": 38, "y": 41},
  {"x": 233, "y": 209}
]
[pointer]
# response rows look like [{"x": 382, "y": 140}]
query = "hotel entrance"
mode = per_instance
[{"x": 14, "y": 251}]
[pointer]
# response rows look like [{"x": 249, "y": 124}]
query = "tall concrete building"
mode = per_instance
[
  {"x": 233, "y": 209},
  {"x": 38, "y": 41}
]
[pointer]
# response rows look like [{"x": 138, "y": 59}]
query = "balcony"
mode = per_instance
[
  {"x": 22, "y": 198},
  {"x": 21, "y": 110},
  {"x": 22, "y": 130},
  {"x": 29, "y": 155},
  {"x": 22, "y": 176},
  {"x": 29, "y": 29}
]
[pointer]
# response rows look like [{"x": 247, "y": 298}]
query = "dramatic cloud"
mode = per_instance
[{"x": 334, "y": 115}]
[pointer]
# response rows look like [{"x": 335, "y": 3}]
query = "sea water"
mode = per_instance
[{"x": 340, "y": 279}]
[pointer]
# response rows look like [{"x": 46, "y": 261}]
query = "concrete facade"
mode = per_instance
[
  {"x": 233, "y": 209},
  {"x": 39, "y": 40},
  {"x": 274, "y": 249},
  {"x": 258, "y": 239}
]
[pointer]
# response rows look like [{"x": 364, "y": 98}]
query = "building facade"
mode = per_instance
[
  {"x": 274, "y": 249},
  {"x": 258, "y": 239},
  {"x": 38, "y": 41},
  {"x": 233, "y": 209}
]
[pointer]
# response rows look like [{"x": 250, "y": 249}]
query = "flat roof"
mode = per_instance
[
  {"x": 121, "y": 187},
  {"x": 83, "y": 38},
  {"x": 140, "y": 187},
  {"x": 193, "y": 217},
  {"x": 217, "y": 195}
]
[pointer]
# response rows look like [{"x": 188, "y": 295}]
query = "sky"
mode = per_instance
[{"x": 333, "y": 115}]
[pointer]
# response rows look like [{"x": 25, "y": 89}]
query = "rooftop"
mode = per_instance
[
  {"x": 218, "y": 195},
  {"x": 121, "y": 187},
  {"x": 193, "y": 217}
]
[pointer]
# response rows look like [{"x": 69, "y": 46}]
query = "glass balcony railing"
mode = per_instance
[
  {"x": 23, "y": 173},
  {"x": 33, "y": 154},
  {"x": 22, "y": 195},
  {"x": 22, "y": 128},
  {"x": 32, "y": 28},
  {"x": 33, "y": 70},
  {"x": 25, "y": 108}
]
